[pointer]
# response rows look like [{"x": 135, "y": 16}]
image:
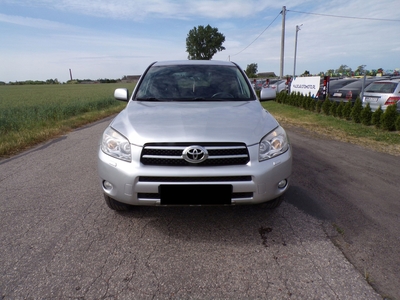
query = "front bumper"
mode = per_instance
[{"x": 136, "y": 184}]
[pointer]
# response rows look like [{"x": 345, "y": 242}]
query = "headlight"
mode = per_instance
[
  {"x": 273, "y": 144},
  {"x": 115, "y": 145}
]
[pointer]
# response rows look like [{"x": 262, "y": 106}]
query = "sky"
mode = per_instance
[{"x": 44, "y": 39}]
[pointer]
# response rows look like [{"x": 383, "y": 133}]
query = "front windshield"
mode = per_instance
[{"x": 194, "y": 83}]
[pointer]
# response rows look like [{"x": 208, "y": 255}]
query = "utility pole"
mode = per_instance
[
  {"x": 282, "y": 41},
  {"x": 295, "y": 50}
]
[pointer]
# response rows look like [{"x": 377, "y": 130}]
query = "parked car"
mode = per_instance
[
  {"x": 351, "y": 91},
  {"x": 257, "y": 84},
  {"x": 193, "y": 133},
  {"x": 279, "y": 85},
  {"x": 382, "y": 93},
  {"x": 335, "y": 84},
  {"x": 267, "y": 93}
]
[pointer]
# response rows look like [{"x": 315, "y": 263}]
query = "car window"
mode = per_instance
[
  {"x": 355, "y": 84},
  {"x": 339, "y": 83},
  {"x": 382, "y": 87},
  {"x": 194, "y": 83}
]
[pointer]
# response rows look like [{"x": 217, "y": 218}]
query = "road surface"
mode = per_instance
[{"x": 59, "y": 240}]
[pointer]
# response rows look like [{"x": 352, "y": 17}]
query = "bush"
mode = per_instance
[
  {"x": 397, "y": 123},
  {"x": 318, "y": 106},
  {"x": 280, "y": 97},
  {"x": 298, "y": 99},
  {"x": 333, "y": 109},
  {"x": 309, "y": 101},
  {"x": 326, "y": 107},
  {"x": 366, "y": 115},
  {"x": 346, "y": 112},
  {"x": 339, "y": 109},
  {"x": 356, "y": 111},
  {"x": 312, "y": 104},
  {"x": 388, "y": 118},
  {"x": 376, "y": 117}
]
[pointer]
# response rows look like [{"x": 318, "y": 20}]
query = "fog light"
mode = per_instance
[
  {"x": 107, "y": 185},
  {"x": 282, "y": 184}
]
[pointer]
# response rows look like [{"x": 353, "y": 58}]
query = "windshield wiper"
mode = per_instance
[{"x": 149, "y": 99}]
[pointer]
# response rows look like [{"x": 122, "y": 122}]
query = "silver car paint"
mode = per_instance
[
  {"x": 146, "y": 122},
  {"x": 376, "y": 99},
  {"x": 195, "y": 122}
]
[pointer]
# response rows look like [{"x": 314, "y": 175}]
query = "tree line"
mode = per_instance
[{"x": 55, "y": 81}]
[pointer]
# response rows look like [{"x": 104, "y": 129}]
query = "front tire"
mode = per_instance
[{"x": 116, "y": 205}]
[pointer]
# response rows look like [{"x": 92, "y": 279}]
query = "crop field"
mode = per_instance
[{"x": 30, "y": 114}]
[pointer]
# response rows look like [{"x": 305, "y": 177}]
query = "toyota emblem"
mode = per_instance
[{"x": 195, "y": 154}]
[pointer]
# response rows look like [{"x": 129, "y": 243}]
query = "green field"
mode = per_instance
[{"x": 30, "y": 114}]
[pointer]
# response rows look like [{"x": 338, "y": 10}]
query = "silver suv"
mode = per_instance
[
  {"x": 382, "y": 93},
  {"x": 193, "y": 133}
]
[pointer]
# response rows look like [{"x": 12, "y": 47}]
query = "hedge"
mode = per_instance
[{"x": 388, "y": 120}]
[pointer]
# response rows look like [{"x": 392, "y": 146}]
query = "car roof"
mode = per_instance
[
  {"x": 358, "y": 83},
  {"x": 388, "y": 80},
  {"x": 194, "y": 62}
]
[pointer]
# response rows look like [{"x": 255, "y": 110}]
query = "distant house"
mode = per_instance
[
  {"x": 266, "y": 74},
  {"x": 130, "y": 78}
]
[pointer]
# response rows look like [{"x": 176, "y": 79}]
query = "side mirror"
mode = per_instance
[{"x": 121, "y": 94}]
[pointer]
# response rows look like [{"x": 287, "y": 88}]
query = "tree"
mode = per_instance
[
  {"x": 360, "y": 70},
  {"x": 306, "y": 73},
  {"x": 330, "y": 72},
  {"x": 366, "y": 115},
  {"x": 356, "y": 111},
  {"x": 388, "y": 118},
  {"x": 251, "y": 70},
  {"x": 344, "y": 70},
  {"x": 376, "y": 117},
  {"x": 203, "y": 42}
]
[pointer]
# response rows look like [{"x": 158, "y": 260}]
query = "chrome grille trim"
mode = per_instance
[{"x": 219, "y": 154}]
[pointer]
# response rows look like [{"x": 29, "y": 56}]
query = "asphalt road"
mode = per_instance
[
  {"x": 357, "y": 191},
  {"x": 58, "y": 239}
]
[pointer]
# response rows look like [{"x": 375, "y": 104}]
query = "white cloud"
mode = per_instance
[
  {"x": 122, "y": 37},
  {"x": 35, "y": 22}
]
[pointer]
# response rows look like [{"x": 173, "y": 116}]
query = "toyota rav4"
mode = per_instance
[{"x": 193, "y": 133}]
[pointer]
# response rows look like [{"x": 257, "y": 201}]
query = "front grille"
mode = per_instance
[{"x": 225, "y": 154}]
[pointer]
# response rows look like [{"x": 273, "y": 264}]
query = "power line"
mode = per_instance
[
  {"x": 344, "y": 17},
  {"x": 258, "y": 35},
  {"x": 317, "y": 14}
]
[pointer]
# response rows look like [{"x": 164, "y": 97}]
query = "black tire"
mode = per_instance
[
  {"x": 115, "y": 205},
  {"x": 273, "y": 203}
]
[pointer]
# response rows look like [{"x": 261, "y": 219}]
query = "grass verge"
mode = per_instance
[{"x": 17, "y": 141}]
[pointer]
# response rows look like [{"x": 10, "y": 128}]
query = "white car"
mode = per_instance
[
  {"x": 193, "y": 133},
  {"x": 267, "y": 93},
  {"x": 279, "y": 86},
  {"x": 382, "y": 93}
]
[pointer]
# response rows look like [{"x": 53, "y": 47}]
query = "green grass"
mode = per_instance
[
  {"x": 30, "y": 114},
  {"x": 336, "y": 128}
]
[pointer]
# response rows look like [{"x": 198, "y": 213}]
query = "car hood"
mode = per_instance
[{"x": 174, "y": 122}]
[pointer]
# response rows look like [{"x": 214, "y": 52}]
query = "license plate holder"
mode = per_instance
[{"x": 195, "y": 194}]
